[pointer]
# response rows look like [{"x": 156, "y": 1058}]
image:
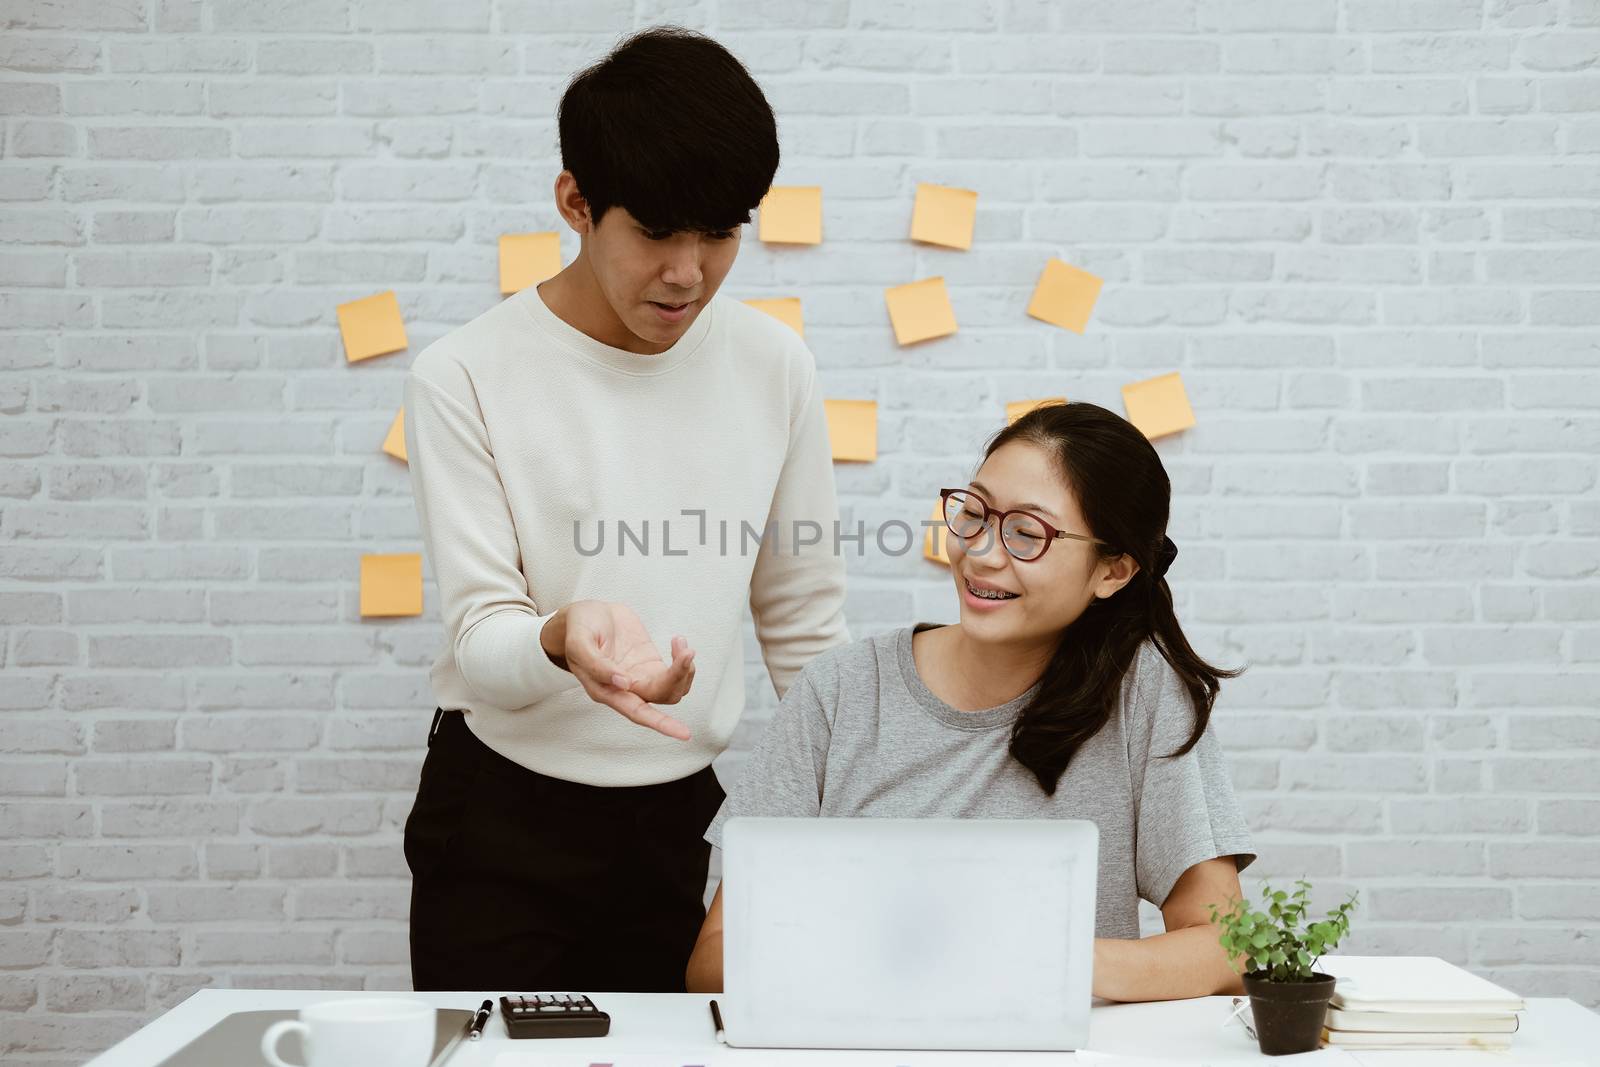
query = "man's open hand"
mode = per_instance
[{"x": 608, "y": 650}]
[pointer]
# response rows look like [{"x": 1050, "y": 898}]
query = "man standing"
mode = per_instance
[{"x": 555, "y": 842}]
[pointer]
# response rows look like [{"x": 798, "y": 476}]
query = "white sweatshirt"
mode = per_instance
[{"x": 528, "y": 441}]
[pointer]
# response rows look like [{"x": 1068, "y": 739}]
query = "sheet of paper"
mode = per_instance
[
  {"x": 371, "y": 326},
  {"x": 934, "y": 542},
  {"x": 944, "y": 215},
  {"x": 1065, "y": 296},
  {"x": 533, "y": 1057},
  {"x": 920, "y": 311},
  {"x": 792, "y": 215},
  {"x": 853, "y": 429},
  {"x": 1158, "y": 406},
  {"x": 394, "y": 442},
  {"x": 783, "y": 308},
  {"x": 1326, "y": 1057},
  {"x": 1018, "y": 408},
  {"x": 790, "y": 1057},
  {"x": 391, "y": 585},
  {"x": 528, "y": 259}
]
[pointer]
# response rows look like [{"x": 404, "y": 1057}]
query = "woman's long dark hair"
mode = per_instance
[{"x": 1123, "y": 493}]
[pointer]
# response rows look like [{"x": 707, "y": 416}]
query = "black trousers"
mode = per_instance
[{"x": 523, "y": 882}]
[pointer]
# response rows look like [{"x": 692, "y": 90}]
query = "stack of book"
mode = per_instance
[{"x": 1415, "y": 1002}]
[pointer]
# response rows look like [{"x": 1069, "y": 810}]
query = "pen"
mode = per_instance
[
  {"x": 716, "y": 1021},
  {"x": 475, "y": 1031}
]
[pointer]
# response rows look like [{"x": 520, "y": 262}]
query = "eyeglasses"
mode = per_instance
[
  {"x": 1023, "y": 534},
  {"x": 1241, "y": 1005}
]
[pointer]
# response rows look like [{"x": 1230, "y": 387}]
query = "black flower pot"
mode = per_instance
[{"x": 1289, "y": 1016}]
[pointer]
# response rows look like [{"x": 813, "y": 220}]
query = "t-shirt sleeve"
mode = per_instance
[
  {"x": 785, "y": 774},
  {"x": 1187, "y": 812}
]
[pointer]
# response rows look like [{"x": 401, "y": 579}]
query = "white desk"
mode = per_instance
[{"x": 1553, "y": 1032}]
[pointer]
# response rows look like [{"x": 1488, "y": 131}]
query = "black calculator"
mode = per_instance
[{"x": 553, "y": 1015}]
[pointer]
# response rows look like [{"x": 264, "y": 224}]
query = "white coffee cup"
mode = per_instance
[{"x": 358, "y": 1030}]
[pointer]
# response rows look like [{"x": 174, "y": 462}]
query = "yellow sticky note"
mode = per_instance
[
  {"x": 391, "y": 585},
  {"x": 528, "y": 259},
  {"x": 394, "y": 442},
  {"x": 784, "y": 309},
  {"x": 1018, "y": 408},
  {"x": 1065, "y": 296},
  {"x": 933, "y": 545},
  {"x": 792, "y": 215},
  {"x": 920, "y": 311},
  {"x": 853, "y": 429},
  {"x": 1158, "y": 406},
  {"x": 371, "y": 326},
  {"x": 944, "y": 215}
]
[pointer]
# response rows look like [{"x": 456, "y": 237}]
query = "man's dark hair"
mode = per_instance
[{"x": 671, "y": 127}]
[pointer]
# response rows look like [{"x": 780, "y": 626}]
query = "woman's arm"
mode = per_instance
[
  {"x": 705, "y": 962},
  {"x": 1186, "y": 961},
  {"x": 782, "y": 778}
]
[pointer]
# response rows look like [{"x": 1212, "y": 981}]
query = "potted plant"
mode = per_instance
[{"x": 1288, "y": 997}]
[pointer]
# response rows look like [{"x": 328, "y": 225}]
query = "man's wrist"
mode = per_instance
[{"x": 553, "y": 638}]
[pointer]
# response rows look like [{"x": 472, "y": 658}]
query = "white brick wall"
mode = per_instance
[{"x": 1368, "y": 233}]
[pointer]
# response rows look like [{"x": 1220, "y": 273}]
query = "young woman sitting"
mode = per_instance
[{"x": 1066, "y": 691}]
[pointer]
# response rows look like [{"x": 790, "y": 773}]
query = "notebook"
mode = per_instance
[
  {"x": 1363, "y": 1039},
  {"x": 1424, "y": 1022},
  {"x": 235, "y": 1040},
  {"x": 1396, "y": 984}
]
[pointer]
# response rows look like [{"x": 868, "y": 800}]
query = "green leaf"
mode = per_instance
[{"x": 1280, "y": 943}]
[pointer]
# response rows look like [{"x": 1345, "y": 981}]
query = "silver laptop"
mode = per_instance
[{"x": 972, "y": 934}]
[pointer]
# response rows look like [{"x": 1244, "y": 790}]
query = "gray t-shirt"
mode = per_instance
[{"x": 860, "y": 735}]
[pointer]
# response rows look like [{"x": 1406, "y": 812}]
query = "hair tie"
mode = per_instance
[{"x": 1165, "y": 555}]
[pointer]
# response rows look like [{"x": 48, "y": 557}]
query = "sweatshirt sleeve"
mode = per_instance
[
  {"x": 797, "y": 596},
  {"x": 491, "y": 619}
]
